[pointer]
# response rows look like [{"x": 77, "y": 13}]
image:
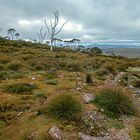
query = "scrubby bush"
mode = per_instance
[
  {"x": 20, "y": 88},
  {"x": 110, "y": 67},
  {"x": 73, "y": 66},
  {"x": 52, "y": 71},
  {"x": 14, "y": 66},
  {"x": 3, "y": 75},
  {"x": 52, "y": 82},
  {"x": 40, "y": 93},
  {"x": 124, "y": 80},
  {"x": 1, "y": 67},
  {"x": 61, "y": 55},
  {"x": 64, "y": 106},
  {"x": 4, "y": 60},
  {"x": 101, "y": 72},
  {"x": 115, "y": 101},
  {"x": 136, "y": 83}
]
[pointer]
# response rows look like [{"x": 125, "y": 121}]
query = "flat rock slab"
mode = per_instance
[
  {"x": 88, "y": 98},
  {"x": 55, "y": 133},
  {"x": 88, "y": 137}
]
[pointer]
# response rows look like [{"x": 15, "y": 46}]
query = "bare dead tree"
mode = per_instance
[
  {"x": 41, "y": 35},
  {"x": 51, "y": 28}
]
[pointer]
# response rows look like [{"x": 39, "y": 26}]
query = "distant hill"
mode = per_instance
[{"x": 128, "y": 52}]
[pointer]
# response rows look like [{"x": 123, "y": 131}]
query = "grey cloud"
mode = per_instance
[{"x": 100, "y": 19}]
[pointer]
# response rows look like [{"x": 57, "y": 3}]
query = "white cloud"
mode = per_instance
[{"x": 25, "y": 22}]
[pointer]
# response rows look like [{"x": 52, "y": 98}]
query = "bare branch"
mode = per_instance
[
  {"x": 47, "y": 26},
  {"x": 41, "y": 35},
  {"x": 61, "y": 27}
]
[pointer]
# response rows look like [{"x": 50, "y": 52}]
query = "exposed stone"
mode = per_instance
[
  {"x": 88, "y": 137},
  {"x": 114, "y": 135},
  {"x": 92, "y": 123},
  {"x": 137, "y": 91},
  {"x": 101, "y": 110},
  {"x": 78, "y": 88},
  {"x": 33, "y": 78},
  {"x": 20, "y": 113},
  {"x": 88, "y": 98},
  {"x": 119, "y": 134},
  {"x": 31, "y": 137},
  {"x": 55, "y": 133}
]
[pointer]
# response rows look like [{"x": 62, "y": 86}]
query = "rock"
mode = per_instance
[
  {"x": 101, "y": 110},
  {"x": 78, "y": 88},
  {"x": 88, "y": 98},
  {"x": 31, "y": 137},
  {"x": 122, "y": 134},
  {"x": 137, "y": 91},
  {"x": 33, "y": 78},
  {"x": 88, "y": 137},
  {"x": 20, "y": 113},
  {"x": 60, "y": 76},
  {"x": 31, "y": 84},
  {"x": 55, "y": 133},
  {"x": 94, "y": 123}
]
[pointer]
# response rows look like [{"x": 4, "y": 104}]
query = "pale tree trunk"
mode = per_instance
[{"x": 53, "y": 26}]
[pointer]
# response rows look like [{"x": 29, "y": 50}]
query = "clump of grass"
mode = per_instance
[
  {"x": 115, "y": 102},
  {"x": 106, "y": 69},
  {"x": 124, "y": 80},
  {"x": 1, "y": 67},
  {"x": 73, "y": 66},
  {"x": 113, "y": 123},
  {"x": 20, "y": 88},
  {"x": 40, "y": 93},
  {"x": 51, "y": 73},
  {"x": 3, "y": 75},
  {"x": 52, "y": 82},
  {"x": 64, "y": 107}
]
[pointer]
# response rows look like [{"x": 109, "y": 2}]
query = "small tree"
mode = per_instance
[
  {"x": 96, "y": 50},
  {"x": 52, "y": 27},
  {"x": 17, "y": 35},
  {"x": 11, "y": 33}
]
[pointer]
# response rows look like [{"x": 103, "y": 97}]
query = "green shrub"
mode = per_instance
[
  {"x": 101, "y": 72},
  {"x": 14, "y": 66},
  {"x": 39, "y": 66},
  {"x": 3, "y": 75},
  {"x": 4, "y": 60},
  {"x": 16, "y": 75},
  {"x": 10, "y": 75},
  {"x": 114, "y": 101},
  {"x": 52, "y": 71},
  {"x": 1, "y": 67},
  {"x": 73, "y": 66},
  {"x": 106, "y": 68},
  {"x": 20, "y": 88},
  {"x": 52, "y": 82},
  {"x": 64, "y": 106},
  {"x": 124, "y": 80},
  {"x": 40, "y": 93}
]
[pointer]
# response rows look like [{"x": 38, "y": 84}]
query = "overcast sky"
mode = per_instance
[{"x": 88, "y": 19}]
